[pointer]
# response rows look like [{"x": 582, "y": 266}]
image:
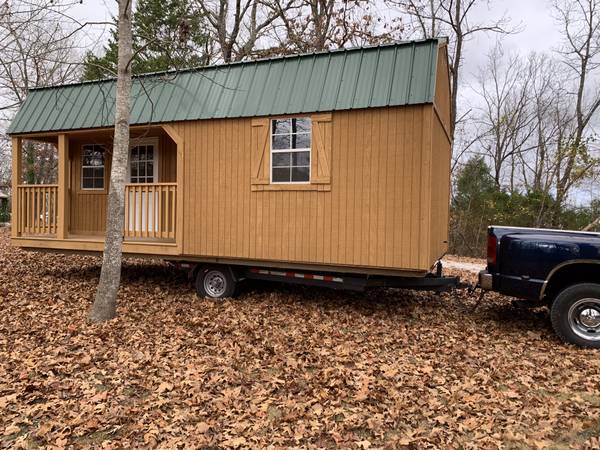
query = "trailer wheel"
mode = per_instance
[
  {"x": 575, "y": 315},
  {"x": 215, "y": 282}
]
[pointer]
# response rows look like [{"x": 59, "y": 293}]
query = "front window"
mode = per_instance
[
  {"x": 290, "y": 150},
  {"x": 92, "y": 167}
]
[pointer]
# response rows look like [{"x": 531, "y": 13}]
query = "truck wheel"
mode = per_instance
[
  {"x": 575, "y": 315},
  {"x": 215, "y": 282}
]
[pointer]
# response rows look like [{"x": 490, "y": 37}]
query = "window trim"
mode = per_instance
[
  {"x": 82, "y": 166},
  {"x": 154, "y": 141},
  {"x": 289, "y": 150}
]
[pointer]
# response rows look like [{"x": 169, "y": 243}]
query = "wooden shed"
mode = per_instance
[{"x": 335, "y": 161}]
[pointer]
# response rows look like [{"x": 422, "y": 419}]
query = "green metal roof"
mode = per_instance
[{"x": 388, "y": 75}]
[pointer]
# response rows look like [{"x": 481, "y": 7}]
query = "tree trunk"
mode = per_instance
[
  {"x": 594, "y": 224},
  {"x": 105, "y": 303},
  {"x": 455, "y": 66}
]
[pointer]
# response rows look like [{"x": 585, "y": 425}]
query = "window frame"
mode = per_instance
[
  {"x": 156, "y": 158},
  {"x": 83, "y": 166},
  {"x": 290, "y": 150}
]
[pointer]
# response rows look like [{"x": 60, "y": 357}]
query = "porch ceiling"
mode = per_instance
[{"x": 100, "y": 134}]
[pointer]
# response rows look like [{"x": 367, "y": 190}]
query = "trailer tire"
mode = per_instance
[
  {"x": 575, "y": 315},
  {"x": 216, "y": 282}
]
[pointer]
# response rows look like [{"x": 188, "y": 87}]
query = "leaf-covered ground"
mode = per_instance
[{"x": 279, "y": 366}]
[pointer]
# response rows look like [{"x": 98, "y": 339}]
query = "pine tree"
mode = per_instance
[{"x": 168, "y": 34}]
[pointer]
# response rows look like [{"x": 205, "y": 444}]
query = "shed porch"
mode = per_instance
[{"x": 71, "y": 213}]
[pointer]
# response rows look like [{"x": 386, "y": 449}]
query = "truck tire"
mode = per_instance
[
  {"x": 575, "y": 315},
  {"x": 215, "y": 282}
]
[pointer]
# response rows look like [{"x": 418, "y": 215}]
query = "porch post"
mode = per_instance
[
  {"x": 180, "y": 205},
  {"x": 176, "y": 137},
  {"x": 63, "y": 191},
  {"x": 17, "y": 171}
]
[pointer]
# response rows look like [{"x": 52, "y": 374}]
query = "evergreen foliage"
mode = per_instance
[
  {"x": 479, "y": 202},
  {"x": 168, "y": 34}
]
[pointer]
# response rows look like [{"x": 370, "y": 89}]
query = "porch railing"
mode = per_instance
[
  {"x": 150, "y": 210},
  {"x": 38, "y": 208}
]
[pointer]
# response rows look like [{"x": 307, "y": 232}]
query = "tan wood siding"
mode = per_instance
[
  {"x": 376, "y": 214},
  {"x": 440, "y": 207},
  {"x": 441, "y": 158},
  {"x": 167, "y": 166},
  {"x": 442, "y": 87}
]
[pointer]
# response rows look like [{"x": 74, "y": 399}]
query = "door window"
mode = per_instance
[
  {"x": 142, "y": 164},
  {"x": 143, "y": 202}
]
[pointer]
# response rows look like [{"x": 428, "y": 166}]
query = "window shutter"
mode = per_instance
[
  {"x": 260, "y": 151},
  {"x": 322, "y": 143}
]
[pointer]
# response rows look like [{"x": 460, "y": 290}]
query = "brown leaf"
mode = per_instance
[
  {"x": 164, "y": 387},
  {"x": 202, "y": 427}
]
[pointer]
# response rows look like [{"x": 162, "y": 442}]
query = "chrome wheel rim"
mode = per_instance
[
  {"x": 584, "y": 318},
  {"x": 215, "y": 283}
]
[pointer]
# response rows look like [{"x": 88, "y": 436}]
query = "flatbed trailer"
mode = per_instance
[{"x": 222, "y": 280}]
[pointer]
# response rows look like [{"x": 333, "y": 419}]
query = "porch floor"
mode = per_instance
[
  {"x": 96, "y": 238},
  {"x": 95, "y": 243},
  {"x": 100, "y": 238}
]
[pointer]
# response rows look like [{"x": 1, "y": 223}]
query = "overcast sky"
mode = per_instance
[{"x": 538, "y": 30}]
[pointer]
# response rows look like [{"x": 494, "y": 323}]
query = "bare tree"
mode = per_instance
[
  {"x": 37, "y": 50},
  {"x": 104, "y": 306},
  {"x": 550, "y": 117},
  {"x": 453, "y": 18},
  {"x": 316, "y": 25},
  {"x": 524, "y": 117},
  {"x": 525, "y": 125},
  {"x": 505, "y": 117},
  {"x": 580, "y": 22},
  {"x": 255, "y": 28},
  {"x": 238, "y": 25}
]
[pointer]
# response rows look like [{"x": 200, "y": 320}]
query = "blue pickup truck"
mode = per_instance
[{"x": 559, "y": 269}]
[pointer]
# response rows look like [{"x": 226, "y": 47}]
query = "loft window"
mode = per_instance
[
  {"x": 92, "y": 167},
  {"x": 290, "y": 150}
]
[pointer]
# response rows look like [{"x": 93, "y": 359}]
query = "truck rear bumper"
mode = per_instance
[
  {"x": 513, "y": 286},
  {"x": 486, "y": 280}
]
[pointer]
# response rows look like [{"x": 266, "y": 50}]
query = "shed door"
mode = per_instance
[{"x": 143, "y": 169}]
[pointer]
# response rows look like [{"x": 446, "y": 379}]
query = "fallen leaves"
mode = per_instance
[
  {"x": 164, "y": 387},
  {"x": 279, "y": 366}
]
